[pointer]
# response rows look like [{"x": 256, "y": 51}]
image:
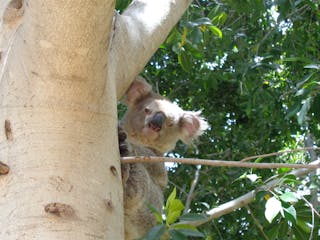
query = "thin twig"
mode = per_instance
[
  {"x": 192, "y": 188},
  {"x": 309, "y": 142},
  {"x": 214, "y": 163},
  {"x": 244, "y": 200},
  {"x": 279, "y": 153},
  {"x": 312, "y": 216},
  {"x": 257, "y": 223}
]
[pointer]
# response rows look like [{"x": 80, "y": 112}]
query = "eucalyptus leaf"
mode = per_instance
[
  {"x": 190, "y": 232},
  {"x": 289, "y": 197},
  {"x": 216, "y": 31},
  {"x": 156, "y": 232},
  {"x": 185, "y": 61},
  {"x": 291, "y": 214},
  {"x": 192, "y": 217},
  {"x": 177, "y": 235},
  {"x": 313, "y": 66},
  {"x": 273, "y": 207}
]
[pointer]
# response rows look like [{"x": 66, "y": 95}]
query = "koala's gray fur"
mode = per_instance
[{"x": 152, "y": 125}]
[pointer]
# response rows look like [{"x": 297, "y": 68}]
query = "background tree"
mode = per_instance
[
  {"x": 253, "y": 68},
  {"x": 63, "y": 66}
]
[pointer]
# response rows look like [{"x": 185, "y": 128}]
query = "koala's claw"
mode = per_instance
[{"x": 123, "y": 144}]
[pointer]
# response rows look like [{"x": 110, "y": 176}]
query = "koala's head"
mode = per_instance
[{"x": 155, "y": 122}]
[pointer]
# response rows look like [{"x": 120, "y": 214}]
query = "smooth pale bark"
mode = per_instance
[
  {"x": 62, "y": 113},
  {"x": 139, "y": 31},
  {"x": 63, "y": 65}
]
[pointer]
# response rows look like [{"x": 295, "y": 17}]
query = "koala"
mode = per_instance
[{"x": 151, "y": 127}]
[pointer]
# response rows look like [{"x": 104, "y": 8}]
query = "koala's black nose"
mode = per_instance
[{"x": 157, "y": 121}]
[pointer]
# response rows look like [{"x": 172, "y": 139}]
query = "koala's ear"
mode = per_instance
[
  {"x": 137, "y": 90},
  {"x": 192, "y": 125}
]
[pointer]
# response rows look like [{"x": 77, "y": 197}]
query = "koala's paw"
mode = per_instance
[
  {"x": 125, "y": 173},
  {"x": 124, "y": 147}
]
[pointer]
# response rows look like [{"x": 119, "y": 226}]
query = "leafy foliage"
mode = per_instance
[
  {"x": 168, "y": 228},
  {"x": 253, "y": 68}
]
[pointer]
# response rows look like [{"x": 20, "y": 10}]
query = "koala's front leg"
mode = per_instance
[
  {"x": 139, "y": 191},
  {"x": 124, "y": 149},
  {"x": 137, "y": 186},
  {"x": 124, "y": 146}
]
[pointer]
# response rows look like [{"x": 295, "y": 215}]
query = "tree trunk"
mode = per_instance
[{"x": 63, "y": 66}]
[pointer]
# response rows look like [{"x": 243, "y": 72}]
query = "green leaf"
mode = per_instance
[
  {"x": 216, "y": 31},
  {"x": 299, "y": 234},
  {"x": 196, "y": 36},
  {"x": 200, "y": 22},
  {"x": 214, "y": 12},
  {"x": 272, "y": 232},
  {"x": 176, "y": 235},
  {"x": 219, "y": 19},
  {"x": 157, "y": 215},
  {"x": 171, "y": 197},
  {"x": 293, "y": 110},
  {"x": 253, "y": 177},
  {"x": 304, "y": 80},
  {"x": 302, "y": 115},
  {"x": 273, "y": 207},
  {"x": 185, "y": 61},
  {"x": 194, "y": 51},
  {"x": 172, "y": 217},
  {"x": 190, "y": 232},
  {"x": 283, "y": 229},
  {"x": 173, "y": 207},
  {"x": 174, "y": 36},
  {"x": 174, "y": 211},
  {"x": 291, "y": 179},
  {"x": 289, "y": 197},
  {"x": 192, "y": 217},
  {"x": 303, "y": 225},
  {"x": 184, "y": 226},
  {"x": 313, "y": 66},
  {"x": 156, "y": 232},
  {"x": 176, "y": 48},
  {"x": 295, "y": 59},
  {"x": 121, "y": 5},
  {"x": 291, "y": 214},
  {"x": 261, "y": 195}
]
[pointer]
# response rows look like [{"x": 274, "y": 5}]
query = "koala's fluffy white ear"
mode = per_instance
[
  {"x": 192, "y": 125},
  {"x": 138, "y": 89}
]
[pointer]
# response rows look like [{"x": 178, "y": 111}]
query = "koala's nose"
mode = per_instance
[{"x": 157, "y": 121}]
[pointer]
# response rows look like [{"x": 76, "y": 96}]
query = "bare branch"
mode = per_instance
[
  {"x": 214, "y": 163},
  {"x": 249, "y": 197},
  {"x": 257, "y": 223},
  {"x": 279, "y": 153},
  {"x": 302, "y": 169},
  {"x": 192, "y": 188}
]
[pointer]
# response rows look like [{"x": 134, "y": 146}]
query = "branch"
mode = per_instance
[
  {"x": 279, "y": 153},
  {"x": 249, "y": 197},
  {"x": 213, "y": 163},
  {"x": 309, "y": 142},
  {"x": 256, "y": 222},
  {"x": 192, "y": 188},
  {"x": 138, "y": 33}
]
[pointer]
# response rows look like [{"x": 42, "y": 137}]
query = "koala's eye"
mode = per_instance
[{"x": 147, "y": 111}]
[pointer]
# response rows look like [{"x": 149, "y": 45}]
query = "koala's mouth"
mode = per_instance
[
  {"x": 154, "y": 127},
  {"x": 156, "y": 122}
]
